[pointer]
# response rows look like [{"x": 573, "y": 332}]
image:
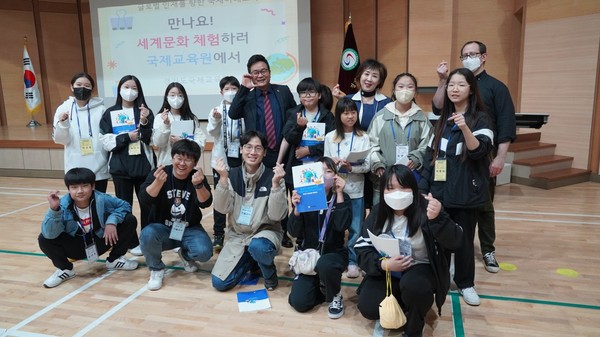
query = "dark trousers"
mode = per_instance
[
  {"x": 101, "y": 185},
  {"x": 414, "y": 291},
  {"x": 306, "y": 293},
  {"x": 124, "y": 190},
  {"x": 220, "y": 218},
  {"x": 464, "y": 256},
  {"x": 269, "y": 162},
  {"x": 486, "y": 221},
  {"x": 65, "y": 246}
]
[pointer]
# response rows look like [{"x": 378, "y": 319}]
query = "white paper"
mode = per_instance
[
  {"x": 385, "y": 246},
  {"x": 358, "y": 156},
  {"x": 183, "y": 129}
]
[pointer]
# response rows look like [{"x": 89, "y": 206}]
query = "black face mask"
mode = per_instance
[{"x": 82, "y": 94}]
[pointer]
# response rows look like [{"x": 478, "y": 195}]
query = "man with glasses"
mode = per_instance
[
  {"x": 176, "y": 193},
  {"x": 263, "y": 107},
  {"x": 499, "y": 104},
  {"x": 254, "y": 198}
]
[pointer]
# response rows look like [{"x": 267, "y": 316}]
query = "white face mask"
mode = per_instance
[
  {"x": 398, "y": 200},
  {"x": 229, "y": 95},
  {"x": 129, "y": 94},
  {"x": 175, "y": 101},
  {"x": 404, "y": 96},
  {"x": 472, "y": 63}
]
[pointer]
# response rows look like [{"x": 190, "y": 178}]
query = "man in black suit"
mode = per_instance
[{"x": 249, "y": 104}]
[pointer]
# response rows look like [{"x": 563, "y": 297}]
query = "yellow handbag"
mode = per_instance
[{"x": 391, "y": 315}]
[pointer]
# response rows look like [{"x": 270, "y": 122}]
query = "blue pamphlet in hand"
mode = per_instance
[
  {"x": 308, "y": 182},
  {"x": 253, "y": 300}
]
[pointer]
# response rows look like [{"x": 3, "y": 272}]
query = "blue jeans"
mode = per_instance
[
  {"x": 358, "y": 209},
  {"x": 195, "y": 244},
  {"x": 260, "y": 250}
]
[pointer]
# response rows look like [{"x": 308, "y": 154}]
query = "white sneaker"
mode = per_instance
[
  {"x": 156, "y": 278},
  {"x": 122, "y": 263},
  {"x": 189, "y": 266},
  {"x": 336, "y": 307},
  {"x": 58, "y": 277},
  {"x": 137, "y": 251},
  {"x": 470, "y": 296}
]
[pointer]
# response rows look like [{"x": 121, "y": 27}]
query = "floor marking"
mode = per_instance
[
  {"x": 546, "y": 213},
  {"x": 549, "y": 220},
  {"x": 25, "y": 189},
  {"x": 59, "y": 302},
  {"x": 23, "y": 334},
  {"x": 459, "y": 330},
  {"x": 24, "y": 194},
  {"x": 116, "y": 308},
  {"x": 23, "y": 209}
]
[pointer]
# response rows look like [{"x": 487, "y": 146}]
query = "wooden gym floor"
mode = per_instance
[{"x": 548, "y": 245}]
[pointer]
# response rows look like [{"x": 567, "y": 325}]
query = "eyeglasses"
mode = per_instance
[
  {"x": 184, "y": 160},
  {"x": 257, "y": 148},
  {"x": 469, "y": 55},
  {"x": 263, "y": 72},
  {"x": 461, "y": 85},
  {"x": 308, "y": 93}
]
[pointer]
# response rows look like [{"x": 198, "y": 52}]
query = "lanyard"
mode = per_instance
[
  {"x": 449, "y": 138},
  {"x": 409, "y": 127},
  {"x": 350, "y": 150},
  {"x": 81, "y": 226},
  {"x": 89, "y": 119},
  {"x": 324, "y": 227},
  {"x": 405, "y": 232},
  {"x": 316, "y": 119},
  {"x": 228, "y": 133}
]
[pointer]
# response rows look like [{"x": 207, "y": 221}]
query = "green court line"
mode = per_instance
[
  {"x": 459, "y": 330},
  {"x": 452, "y": 293}
]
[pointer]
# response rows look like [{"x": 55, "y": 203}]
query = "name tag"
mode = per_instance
[
  {"x": 91, "y": 252},
  {"x": 401, "y": 154},
  {"x": 233, "y": 150},
  {"x": 135, "y": 148},
  {"x": 440, "y": 170},
  {"x": 405, "y": 247},
  {"x": 177, "y": 230},
  {"x": 85, "y": 146},
  {"x": 245, "y": 215}
]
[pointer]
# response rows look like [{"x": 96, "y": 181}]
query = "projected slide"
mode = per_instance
[{"x": 196, "y": 43}]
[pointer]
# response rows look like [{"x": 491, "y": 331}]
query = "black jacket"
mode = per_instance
[
  {"x": 121, "y": 164},
  {"x": 307, "y": 225},
  {"x": 467, "y": 182},
  {"x": 440, "y": 234}
]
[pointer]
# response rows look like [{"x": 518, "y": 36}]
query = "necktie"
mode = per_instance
[{"x": 269, "y": 122}]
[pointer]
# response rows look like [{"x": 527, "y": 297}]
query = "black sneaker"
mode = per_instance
[
  {"x": 218, "y": 241},
  {"x": 490, "y": 263},
  {"x": 286, "y": 242},
  {"x": 336, "y": 307},
  {"x": 272, "y": 282}
]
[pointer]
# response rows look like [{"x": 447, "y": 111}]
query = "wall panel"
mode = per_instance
[{"x": 559, "y": 77}]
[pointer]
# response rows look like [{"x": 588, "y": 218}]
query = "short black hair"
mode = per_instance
[
  {"x": 482, "y": 47},
  {"x": 308, "y": 83},
  {"x": 248, "y": 135},
  {"x": 86, "y": 75},
  {"x": 229, "y": 80},
  {"x": 255, "y": 59},
  {"x": 187, "y": 148},
  {"x": 79, "y": 175}
]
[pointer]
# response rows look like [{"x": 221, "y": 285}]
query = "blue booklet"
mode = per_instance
[
  {"x": 308, "y": 182},
  {"x": 253, "y": 300},
  {"x": 122, "y": 121}
]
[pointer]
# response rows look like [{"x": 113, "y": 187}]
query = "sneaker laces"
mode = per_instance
[{"x": 337, "y": 302}]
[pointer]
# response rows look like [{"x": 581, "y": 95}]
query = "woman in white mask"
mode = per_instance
[
  {"x": 399, "y": 134},
  {"x": 168, "y": 125},
  {"x": 126, "y": 132},
  {"x": 424, "y": 231}
]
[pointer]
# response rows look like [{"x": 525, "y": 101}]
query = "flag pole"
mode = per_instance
[{"x": 32, "y": 123}]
